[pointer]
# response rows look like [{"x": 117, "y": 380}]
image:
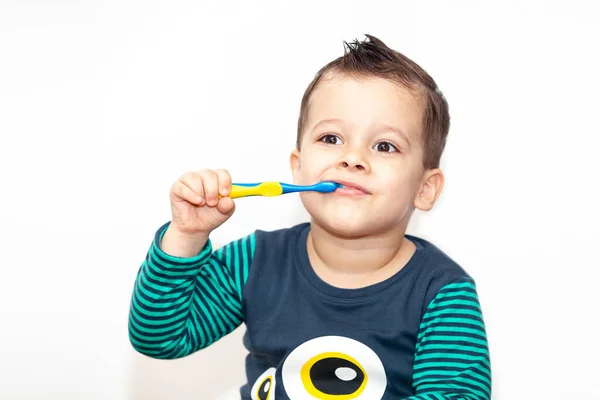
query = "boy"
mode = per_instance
[{"x": 346, "y": 306}]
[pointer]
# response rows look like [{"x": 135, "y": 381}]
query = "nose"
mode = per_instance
[{"x": 353, "y": 160}]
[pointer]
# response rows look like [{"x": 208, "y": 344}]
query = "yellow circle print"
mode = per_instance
[
  {"x": 264, "y": 387},
  {"x": 333, "y": 368}
]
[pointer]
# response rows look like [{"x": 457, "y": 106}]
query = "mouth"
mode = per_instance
[{"x": 350, "y": 189}]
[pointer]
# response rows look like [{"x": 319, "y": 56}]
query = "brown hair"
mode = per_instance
[{"x": 372, "y": 58}]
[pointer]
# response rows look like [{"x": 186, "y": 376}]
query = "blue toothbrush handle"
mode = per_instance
[{"x": 322, "y": 187}]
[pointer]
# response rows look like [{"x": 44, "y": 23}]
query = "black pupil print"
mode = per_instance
[
  {"x": 336, "y": 376},
  {"x": 383, "y": 147},
  {"x": 264, "y": 389},
  {"x": 331, "y": 139}
]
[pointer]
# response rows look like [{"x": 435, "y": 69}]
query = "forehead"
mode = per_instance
[{"x": 364, "y": 101}]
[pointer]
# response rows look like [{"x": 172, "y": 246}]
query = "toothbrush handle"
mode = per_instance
[
  {"x": 288, "y": 188},
  {"x": 243, "y": 191}
]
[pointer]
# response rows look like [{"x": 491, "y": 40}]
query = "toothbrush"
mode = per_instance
[{"x": 270, "y": 189}]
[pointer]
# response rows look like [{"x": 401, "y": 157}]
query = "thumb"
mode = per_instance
[{"x": 226, "y": 206}]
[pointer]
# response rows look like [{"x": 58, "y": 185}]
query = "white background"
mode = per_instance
[{"x": 104, "y": 104}]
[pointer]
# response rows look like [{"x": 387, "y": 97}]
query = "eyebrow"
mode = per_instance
[
  {"x": 379, "y": 127},
  {"x": 384, "y": 127},
  {"x": 327, "y": 121}
]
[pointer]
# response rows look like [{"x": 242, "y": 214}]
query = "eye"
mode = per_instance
[
  {"x": 264, "y": 387},
  {"x": 333, "y": 368},
  {"x": 330, "y": 139},
  {"x": 386, "y": 147}
]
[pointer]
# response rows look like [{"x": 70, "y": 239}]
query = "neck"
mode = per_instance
[{"x": 360, "y": 257}]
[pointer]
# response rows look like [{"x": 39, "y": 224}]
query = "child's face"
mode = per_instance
[{"x": 364, "y": 132}]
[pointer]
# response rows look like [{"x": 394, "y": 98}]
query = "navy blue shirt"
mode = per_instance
[
  {"x": 370, "y": 333},
  {"x": 417, "y": 333}
]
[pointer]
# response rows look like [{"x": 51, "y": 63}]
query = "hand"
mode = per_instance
[{"x": 196, "y": 207}]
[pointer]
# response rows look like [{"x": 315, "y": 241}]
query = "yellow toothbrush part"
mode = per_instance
[
  {"x": 271, "y": 189},
  {"x": 268, "y": 189}
]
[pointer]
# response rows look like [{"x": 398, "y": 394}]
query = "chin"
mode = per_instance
[
  {"x": 348, "y": 219},
  {"x": 340, "y": 224}
]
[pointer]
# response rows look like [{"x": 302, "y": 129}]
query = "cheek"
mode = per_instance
[
  {"x": 311, "y": 202},
  {"x": 398, "y": 189},
  {"x": 392, "y": 178},
  {"x": 313, "y": 166},
  {"x": 398, "y": 176}
]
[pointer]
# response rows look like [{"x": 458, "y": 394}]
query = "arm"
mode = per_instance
[
  {"x": 181, "y": 305},
  {"x": 452, "y": 357}
]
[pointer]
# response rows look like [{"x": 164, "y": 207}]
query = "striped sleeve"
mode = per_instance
[
  {"x": 452, "y": 357},
  {"x": 181, "y": 305}
]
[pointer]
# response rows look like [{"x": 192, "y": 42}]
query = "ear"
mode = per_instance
[
  {"x": 295, "y": 164},
  {"x": 431, "y": 187}
]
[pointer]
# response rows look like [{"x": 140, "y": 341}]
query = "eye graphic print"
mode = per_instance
[
  {"x": 334, "y": 374},
  {"x": 264, "y": 387},
  {"x": 333, "y": 368}
]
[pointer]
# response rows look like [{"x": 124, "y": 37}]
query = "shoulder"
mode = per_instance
[
  {"x": 437, "y": 269},
  {"x": 272, "y": 239},
  {"x": 275, "y": 238}
]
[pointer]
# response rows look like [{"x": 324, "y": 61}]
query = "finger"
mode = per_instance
[
  {"x": 194, "y": 182},
  {"x": 226, "y": 206},
  {"x": 224, "y": 182},
  {"x": 210, "y": 181},
  {"x": 181, "y": 191}
]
